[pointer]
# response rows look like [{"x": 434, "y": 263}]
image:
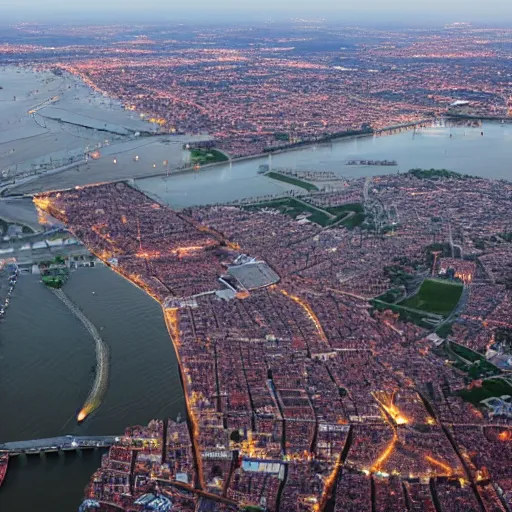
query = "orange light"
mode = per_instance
[
  {"x": 388, "y": 405},
  {"x": 504, "y": 436},
  {"x": 184, "y": 251},
  {"x": 310, "y": 313},
  {"x": 442, "y": 465},
  {"x": 385, "y": 454},
  {"x": 42, "y": 202},
  {"x": 148, "y": 255},
  {"x": 233, "y": 245}
]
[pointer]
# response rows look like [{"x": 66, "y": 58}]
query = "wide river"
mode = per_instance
[
  {"x": 46, "y": 356},
  {"x": 458, "y": 148},
  {"x": 46, "y": 362}
]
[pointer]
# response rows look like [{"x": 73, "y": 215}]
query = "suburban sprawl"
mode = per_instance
[{"x": 270, "y": 86}]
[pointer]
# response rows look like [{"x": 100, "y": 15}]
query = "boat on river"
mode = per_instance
[
  {"x": 4, "y": 461},
  {"x": 372, "y": 162}
]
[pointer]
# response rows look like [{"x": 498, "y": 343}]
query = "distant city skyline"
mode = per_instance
[{"x": 372, "y": 11}]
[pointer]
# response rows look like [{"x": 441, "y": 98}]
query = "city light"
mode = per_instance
[
  {"x": 309, "y": 312},
  {"x": 386, "y": 402},
  {"x": 505, "y": 435},
  {"x": 377, "y": 465},
  {"x": 303, "y": 379},
  {"x": 445, "y": 467}
]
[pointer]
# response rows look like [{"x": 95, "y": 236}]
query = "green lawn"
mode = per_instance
[
  {"x": 352, "y": 214},
  {"x": 405, "y": 315},
  {"x": 353, "y": 221},
  {"x": 425, "y": 174},
  {"x": 291, "y": 180},
  {"x": 345, "y": 208},
  {"x": 490, "y": 388},
  {"x": 291, "y": 207},
  {"x": 54, "y": 281},
  {"x": 206, "y": 156},
  {"x": 435, "y": 297},
  {"x": 478, "y": 366},
  {"x": 467, "y": 353}
]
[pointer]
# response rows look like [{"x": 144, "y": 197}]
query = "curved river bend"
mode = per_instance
[{"x": 46, "y": 372}]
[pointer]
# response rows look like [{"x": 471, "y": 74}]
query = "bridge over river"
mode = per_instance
[{"x": 57, "y": 444}]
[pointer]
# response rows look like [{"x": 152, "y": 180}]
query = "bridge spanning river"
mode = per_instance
[{"x": 56, "y": 444}]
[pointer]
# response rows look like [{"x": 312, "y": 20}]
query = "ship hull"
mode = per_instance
[{"x": 4, "y": 461}]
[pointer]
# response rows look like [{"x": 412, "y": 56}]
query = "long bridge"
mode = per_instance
[{"x": 57, "y": 444}]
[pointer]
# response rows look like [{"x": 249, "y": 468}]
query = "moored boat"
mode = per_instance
[{"x": 4, "y": 461}]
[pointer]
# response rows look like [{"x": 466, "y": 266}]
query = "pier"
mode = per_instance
[
  {"x": 102, "y": 359},
  {"x": 57, "y": 444}
]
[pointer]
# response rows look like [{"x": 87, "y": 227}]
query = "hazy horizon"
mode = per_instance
[{"x": 370, "y": 11}]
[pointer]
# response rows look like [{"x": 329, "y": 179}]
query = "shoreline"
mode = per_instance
[
  {"x": 290, "y": 149},
  {"x": 191, "y": 419},
  {"x": 470, "y": 117},
  {"x": 387, "y": 131},
  {"x": 174, "y": 337},
  {"x": 9, "y": 189},
  {"x": 237, "y": 160}
]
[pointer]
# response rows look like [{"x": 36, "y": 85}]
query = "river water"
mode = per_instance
[
  {"x": 46, "y": 362},
  {"x": 46, "y": 355},
  {"x": 457, "y": 148}
]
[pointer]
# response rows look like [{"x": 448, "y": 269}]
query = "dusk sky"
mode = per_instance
[{"x": 373, "y": 10}]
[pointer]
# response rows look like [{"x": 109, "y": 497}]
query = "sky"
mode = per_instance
[{"x": 414, "y": 11}]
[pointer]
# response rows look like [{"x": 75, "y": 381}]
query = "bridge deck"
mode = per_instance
[{"x": 58, "y": 443}]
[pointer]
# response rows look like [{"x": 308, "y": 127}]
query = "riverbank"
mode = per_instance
[
  {"x": 30, "y": 187},
  {"x": 39, "y": 338},
  {"x": 283, "y": 151},
  {"x": 470, "y": 117},
  {"x": 56, "y": 351},
  {"x": 458, "y": 148}
]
